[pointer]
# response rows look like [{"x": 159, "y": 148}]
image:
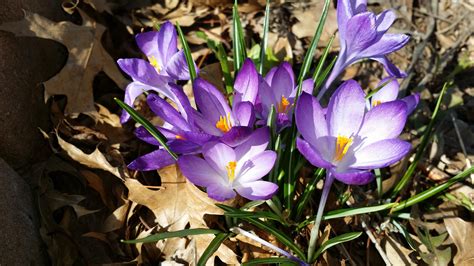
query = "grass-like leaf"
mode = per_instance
[
  {"x": 319, "y": 81},
  {"x": 263, "y": 45},
  {"x": 180, "y": 233},
  {"x": 213, "y": 246},
  {"x": 147, "y": 125},
  {"x": 323, "y": 58},
  {"x": 304, "y": 199},
  {"x": 374, "y": 91},
  {"x": 238, "y": 42},
  {"x": 264, "y": 261},
  {"x": 237, "y": 213},
  {"x": 431, "y": 192},
  {"x": 335, "y": 241},
  {"x": 284, "y": 239},
  {"x": 421, "y": 148},
  {"x": 187, "y": 53}
]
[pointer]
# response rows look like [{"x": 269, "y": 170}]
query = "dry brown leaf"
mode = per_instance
[
  {"x": 178, "y": 204},
  {"x": 117, "y": 219},
  {"x": 95, "y": 160},
  {"x": 396, "y": 253},
  {"x": 58, "y": 200},
  {"x": 99, "y": 5},
  {"x": 462, "y": 233},
  {"x": 87, "y": 57}
]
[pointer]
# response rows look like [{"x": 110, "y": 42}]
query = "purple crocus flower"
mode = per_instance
[
  {"x": 225, "y": 170},
  {"x": 215, "y": 117},
  {"x": 347, "y": 141},
  {"x": 389, "y": 93},
  {"x": 278, "y": 89},
  {"x": 184, "y": 137},
  {"x": 363, "y": 35},
  {"x": 165, "y": 64}
]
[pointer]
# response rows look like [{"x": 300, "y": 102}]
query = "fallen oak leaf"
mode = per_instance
[
  {"x": 460, "y": 231},
  {"x": 180, "y": 203},
  {"x": 87, "y": 57}
]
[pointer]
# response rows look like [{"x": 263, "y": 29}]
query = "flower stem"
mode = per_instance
[{"x": 317, "y": 222}]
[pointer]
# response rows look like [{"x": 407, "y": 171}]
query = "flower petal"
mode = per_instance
[
  {"x": 236, "y": 135},
  {"x": 210, "y": 100},
  {"x": 148, "y": 43},
  {"x": 198, "y": 171},
  {"x": 184, "y": 146},
  {"x": 384, "y": 20},
  {"x": 167, "y": 43},
  {"x": 267, "y": 98},
  {"x": 311, "y": 154},
  {"x": 411, "y": 102},
  {"x": 391, "y": 69},
  {"x": 310, "y": 118},
  {"x": 283, "y": 82},
  {"x": 255, "y": 168},
  {"x": 141, "y": 70},
  {"x": 182, "y": 101},
  {"x": 388, "y": 93},
  {"x": 380, "y": 154},
  {"x": 388, "y": 43},
  {"x": 167, "y": 112},
  {"x": 308, "y": 86},
  {"x": 132, "y": 91},
  {"x": 257, "y": 190},
  {"x": 218, "y": 155},
  {"x": 204, "y": 124},
  {"x": 152, "y": 161},
  {"x": 360, "y": 33},
  {"x": 346, "y": 110},
  {"x": 245, "y": 114},
  {"x": 144, "y": 135},
  {"x": 270, "y": 74},
  {"x": 256, "y": 143},
  {"x": 220, "y": 192},
  {"x": 177, "y": 67},
  {"x": 354, "y": 177},
  {"x": 246, "y": 83},
  {"x": 385, "y": 121}
]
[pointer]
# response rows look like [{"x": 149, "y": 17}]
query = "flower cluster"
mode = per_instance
[{"x": 222, "y": 144}]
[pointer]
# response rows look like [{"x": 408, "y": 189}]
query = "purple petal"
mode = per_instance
[
  {"x": 182, "y": 101},
  {"x": 167, "y": 112},
  {"x": 267, "y": 97},
  {"x": 198, "y": 137},
  {"x": 385, "y": 121},
  {"x": 380, "y": 154},
  {"x": 354, "y": 177},
  {"x": 152, "y": 161},
  {"x": 177, "y": 67},
  {"x": 245, "y": 114},
  {"x": 204, "y": 124},
  {"x": 311, "y": 154},
  {"x": 132, "y": 91},
  {"x": 184, "y": 146},
  {"x": 210, "y": 100},
  {"x": 270, "y": 74},
  {"x": 257, "y": 190},
  {"x": 256, "y": 143},
  {"x": 391, "y": 69},
  {"x": 388, "y": 93},
  {"x": 310, "y": 118},
  {"x": 148, "y": 43},
  {"x": 389, "y": 43},
  {"x": 246, "y": 83},
  {"x": 360, "y": 33},
  {"x": 141, "y": 70},
  {"x": 255, "y": 168},
  {"x": 345, "y": 110},
  {"x": 283, "y": 120},
  {"x": 220, "y": 192},
  {"x": 308, "y": 86},
  {"x": 144, "y": 135},
  {"x": 198, "y": 171},
  {"x": 384, "y": 20},
  {"x": 236, "y": 135},
  {"x": 344, "y": 13},
  {"x": 283, "y": 81},
  {"x": 218, "y": 155},
  {"x": 167, "y": 43},
  {"x": 411, "y": 102}
]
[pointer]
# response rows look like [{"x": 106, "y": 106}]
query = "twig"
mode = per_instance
[{"x": 374, "y": 241}]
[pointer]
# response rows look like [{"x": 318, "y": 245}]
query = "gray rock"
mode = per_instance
[{"x": 19, "y": 237}]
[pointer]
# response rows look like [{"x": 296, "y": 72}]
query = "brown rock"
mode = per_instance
[{"x": 19, "y": 238}]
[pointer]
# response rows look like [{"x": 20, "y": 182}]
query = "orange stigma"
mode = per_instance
[
  {"x": 224, "y": 124},
  {"x": 376, "y": 102},
  {"x": 283, "y": 105},
  {"x": 231, "y": 170},
  {"x": 342, "y": 146},
  {"x": 180, "y": 137}
]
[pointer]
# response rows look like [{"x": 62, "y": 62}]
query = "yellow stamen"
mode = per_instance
[
  {"x": 154, "y": 63},
  {"x": 283, "y": 105},
  {"x": 224, "y": 123},
  {"x": 180, "y": 137},
  {"x": 342, "y": 146},
  {"x": 376, "y": 102},
  {"x": 231, "y": 170}
]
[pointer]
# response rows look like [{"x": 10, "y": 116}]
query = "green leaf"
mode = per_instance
[
  {"x": 322, "y": 78},
  {"x": 420, "y": 149},
  {"x": 238, "y": 42},
  {"x": 187, "y": 53},
  {"x": 147, "y": 125},
  {"x": 308, "y": 192},
  {"x": 263, "y": 46},
  {"x": 308, "y": 58},
  {"x": 431, "y": 192},
  {"x": 334, "y": 241},
  {"x": 402, "y": 230},
  {"x": 237, "y": 213},
  {"x": 180, "y": 233},
  {"x": 263, "y": 261},
  {"x": 374, "y": 91},
  {"x": 212, "y": 248},
  {"x": 355, "y": 211},
  {"x": 322, "y": 60},
  {"x": 284, "y": 239}
]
